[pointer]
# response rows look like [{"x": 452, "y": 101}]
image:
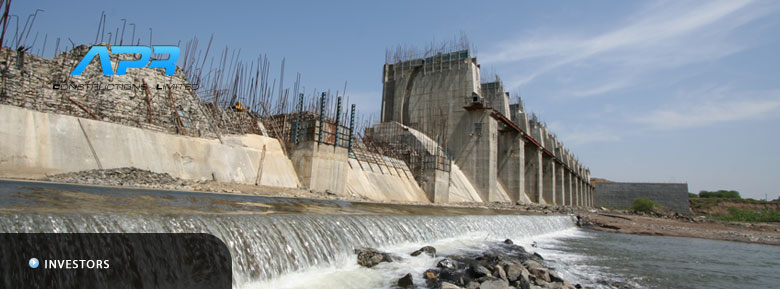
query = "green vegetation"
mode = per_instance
[
  {"x": 723, "y": 194},
  {"x": 738, "y": 215},
  {"x": 692, "y": 196},
  {"x": 644, "y": 205},
  {"x": 706, "y": 203}
]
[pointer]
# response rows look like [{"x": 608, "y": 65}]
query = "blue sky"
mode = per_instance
[{"x": 651, "y": 91}]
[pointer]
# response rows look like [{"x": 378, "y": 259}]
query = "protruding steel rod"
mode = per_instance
[
  {"x": 322, "y": 117},
  {"x": 297, "y": 127},
  {"x": 351, "y": 127},
  {"x": 338, "y": 117}
]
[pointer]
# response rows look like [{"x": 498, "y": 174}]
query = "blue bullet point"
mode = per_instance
[{"x": 34, "y": 263}]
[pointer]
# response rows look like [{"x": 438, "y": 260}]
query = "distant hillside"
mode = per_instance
[{"x": 599, "y": 180}]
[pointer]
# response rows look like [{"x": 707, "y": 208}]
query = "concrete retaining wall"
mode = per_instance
[
  {"x": 34, "y": 144},
  {"x": 321, "y": 167},
  {"x": 622, "y": 195},
  {"x": 381, "y": 183}
]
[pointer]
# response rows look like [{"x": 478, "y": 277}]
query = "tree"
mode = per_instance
[
  {"x": 644, "y": 205},
  {"x": 725, "y": 194}
]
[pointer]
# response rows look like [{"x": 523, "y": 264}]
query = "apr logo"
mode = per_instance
[{"x": 122, "y": 65}]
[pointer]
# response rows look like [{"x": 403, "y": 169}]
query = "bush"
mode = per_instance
[
  {"x": 724, "y": 194},
  {"x": 692, "y": 196},
  {"x": 739, "y": 215},
  {"x": 644, "y": 205}
]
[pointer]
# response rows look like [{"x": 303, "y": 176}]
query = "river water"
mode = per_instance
[
  {"x": 298, "y": 243},
  {"x": 662, "y": 262}
]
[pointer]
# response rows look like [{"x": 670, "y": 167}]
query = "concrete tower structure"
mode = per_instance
[{"x": 507, "y": 156}]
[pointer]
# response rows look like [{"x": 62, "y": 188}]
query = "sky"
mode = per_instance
[{"x": 639, "y": 91}]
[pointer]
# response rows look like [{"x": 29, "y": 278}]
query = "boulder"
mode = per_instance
[
  {"x": 540, "y": 273},
  {"x": 508, "y": 242},
  {"x": 477, "y": 270},
  {"x": 431, "y": 251},
  {"x": 446, "y": 263},
  {"x": 515, "y": 272},
  {"x": 447, "y": 285},
  {"x": 529, "y": 264},
  {"x": 499, "y": 272},
  {"x": 406, "y": 282},
  {"x": 494, "y": 283},
  {"x": 554, "y": 277},
  {"x": 431, "y": 274},
  {"x": 370, "y": 257}
]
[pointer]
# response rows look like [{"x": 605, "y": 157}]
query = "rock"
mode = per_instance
[
  {"x": 406, "y": 281},
  {"x": 554, "y": 277},
  {"x": 431, "y": 274},
  {"x": 543, "y": 284},
  {"x": 446, "y": 263},
  {"x": 431, "y": 277},
  {"x": 531, "y": 264},
  {"x": 540, "y": 273},
  {"x": 494, "y": 283},
  {"x": 478, "y": 270},
  {"x": 447, "y": 285},
  {"x": 508, "y": 242},
  {"x": 472, "y": 285},
  {"x": 537, "y": 257},
  {"x": 370, "y": 257},
  {"x": 515, "y": 271},
  {"x": 499, "y": 272},
  {"x": 491, "y": 258},
  {"x": 431, "y": 251}
]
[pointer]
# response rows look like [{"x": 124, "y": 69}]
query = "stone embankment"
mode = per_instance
[
  {"x": 138, "y": 178},
  {"x": 504, "y": 266},
  {"x": 134, "y": 177},
  {"x": 671, "y": 224}
]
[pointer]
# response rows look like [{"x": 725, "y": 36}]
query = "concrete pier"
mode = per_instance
[
  {"x": 505, "y": 153},
  {"x": 549, "y": 181}
]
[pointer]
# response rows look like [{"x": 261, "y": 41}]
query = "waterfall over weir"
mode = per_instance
[{"x": 267, "y": 246}]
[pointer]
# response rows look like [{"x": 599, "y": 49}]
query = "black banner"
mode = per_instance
[{"x": 114, "y": 261}]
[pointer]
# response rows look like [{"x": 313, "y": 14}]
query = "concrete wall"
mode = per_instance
[
  {"x": 474, "y": 148},
  {"x": 381, "y": 183},
  {"x": 511, "y": 165},
  {"x": 533, "y": 174},
  {"x": 442, "y": 97},
  {"x": 461, "y": 189},
  {"x": 622, "y": 195},
  {"x": 321, "y": 167},
  {"x": 34, "y": 144},
  {"x": 550, "y": 184}
]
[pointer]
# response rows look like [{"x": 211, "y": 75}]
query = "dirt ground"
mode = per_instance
[{"x": 682, "y": 226}]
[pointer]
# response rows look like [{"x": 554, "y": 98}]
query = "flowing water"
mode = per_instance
[
  {"x": 298, "y": 243},
  {"x": 661, "y": 262},
  {"x": 274, "y": 243}
]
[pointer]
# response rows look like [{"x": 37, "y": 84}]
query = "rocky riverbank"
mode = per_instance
[
  {"x": 659, "y": 224},
  {"x": 503, "y": 266}
]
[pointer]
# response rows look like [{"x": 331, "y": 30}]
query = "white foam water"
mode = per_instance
[{"x": 315, "y": 251}]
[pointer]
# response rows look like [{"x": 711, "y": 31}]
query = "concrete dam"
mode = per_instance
[{"x": 444, "y": 136}]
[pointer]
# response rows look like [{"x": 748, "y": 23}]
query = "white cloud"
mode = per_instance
[
  {"x": 709, "y": 113},
  {"x": 663, "y": 35},
  {"x": 580, "y": 135}
]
